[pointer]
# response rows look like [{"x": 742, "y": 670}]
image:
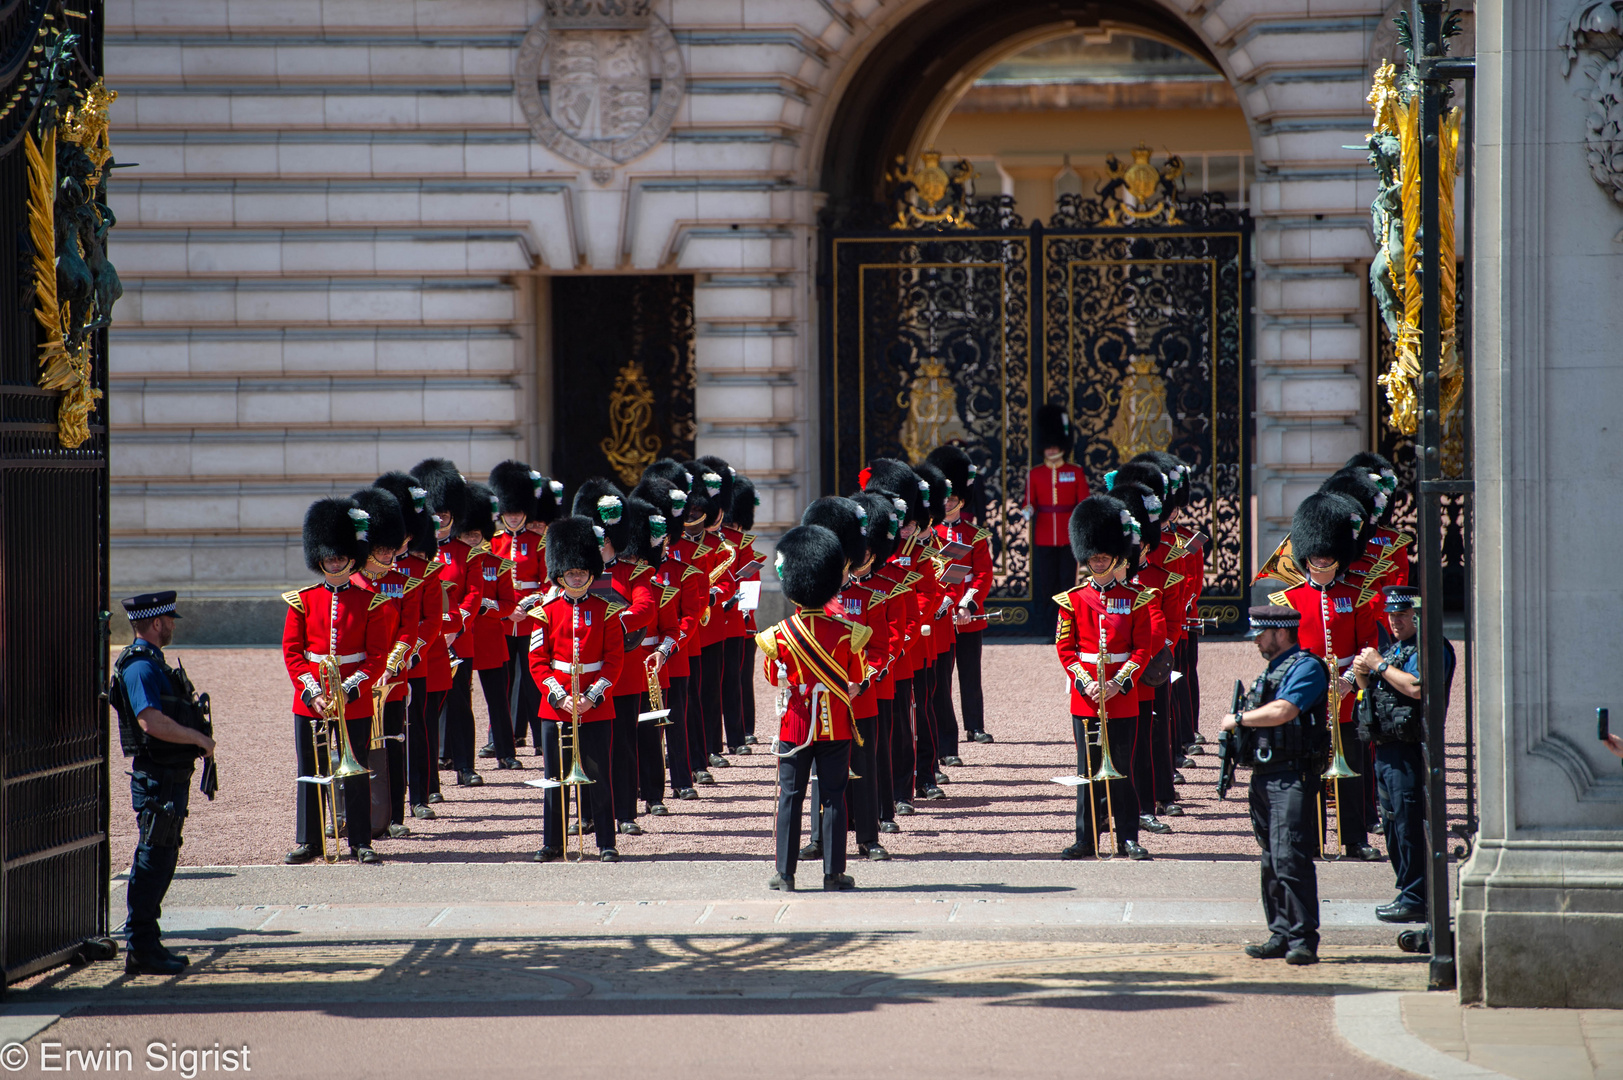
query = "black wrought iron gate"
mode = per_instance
[
  {"x": 1141, "y": 330},
  {"x": 53, "y": 561}
]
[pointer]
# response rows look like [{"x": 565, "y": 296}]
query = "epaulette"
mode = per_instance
[
  {"x": 294, "y": 601},
  {"x": 378, "y": 600},
  {"x": 745, "y": 539},
  {"x": 482, "y": 549},
  {"x": 1172, "y": 579},
  {"x": 982, "y": 534},
  {"x": 1402, "y": 539},
  {"x": 1145, "y": 596},
  {"x": 701, "y": 548},
  {"x": 412, "y": 583},
  {"x": 506, "y": 566},
  {"x": 1064, "y": 600},
  {"x": 668, "y": 593},
  {"x": 615, "y": 609},
  {"x": 640, "y": 568},
  {"x": 1279, "y": 599},
  {"x": 689, "y": 569},
  {"x": 860, "y": 636},
  {"x": 768, "y": 641}
]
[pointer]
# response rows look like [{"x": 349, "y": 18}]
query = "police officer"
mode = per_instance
[
  {"x": 1391, "y": 714},
  {"x": 1279, "y": 732},
  {"x": 163, "y": 725}
]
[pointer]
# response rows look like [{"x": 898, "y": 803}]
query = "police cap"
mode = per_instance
[
  {"x": 150, "y": 605},
  {"x": 1401, "y": 598},
  {"x": 1273, "y": 616}
]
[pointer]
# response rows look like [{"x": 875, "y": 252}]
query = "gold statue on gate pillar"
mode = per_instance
[
  {"x": 1154, "y": 192},
  {"x": 1142, "y": 421}
]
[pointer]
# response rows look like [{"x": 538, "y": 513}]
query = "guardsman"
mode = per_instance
[
  {"x": 1337, "y": 624},
  {"x": 428, "y": 668},
  {"x": 969, "y": 596},
  {"x": 163, "y": 726},
  {"x": 642, "y": 768},
  {"x": 1053, "y": 489},
  {"x": 1185, "y": 556},
  {"x": 938, "y": 683},
  {"x": 1280, "y": 737},
  {"x": 447, "y": 498},
  {"x": 715, "y": 556},
  {"x": 1391, "y": 715},
  {"x": 890, "y": 601},
  {"x": 815, "y": 661},
  {"x": 490, "y": 619},
  {"x": 1394, "y": 544},
  {"x": 737, "y": 680},
  {"x": 576, "y": 653},
  {"x": 549, "y": 507},
  {"x": 382, "y": 573},
  {"x": 517, "y": 487},
  {"x": 334, "y": 621},
  {"x": 1104, "y": 683},
  {"x": 683, "y": 592},
  {"x": 745, "y": 502}
]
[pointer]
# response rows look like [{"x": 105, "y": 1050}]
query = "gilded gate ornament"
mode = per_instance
[
  {"x": 927, "y": 196},
  {"x": 932, "y": 411},
  {"x": 632, "y": 445},
  {"x": 1142, "y": 422},
  {"x": 1153, "y": 192}
]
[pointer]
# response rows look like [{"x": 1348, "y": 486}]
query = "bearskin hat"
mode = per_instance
[
  {"x": 1146, "y": 508},
  {"x": 1327, "y": 526},
  {"x": 336, "y": 527},
  {"x": 1101, "y": 525},
  {"x": 1138, "y": 472},
  {"x": 1177, "y": 473},
  {"x": 897, "y": 478},
  {"x": 843, "y": 518},
  {"x": 481, "y": 514},
  {"x": 386, "y": 527},
  {"x": 1051, "y": 427},
  {"x": 671, "y": 502},
  {"x": 936, "y": 498},
  {"x": 602, "y": 500},
  {"x": 729, "y": 476},
  {"x": 713, "y": 488},
  {"x": 1362, "y": 487},
  {"x": 811, "y": 565},
  {"x": 574, "y": 543},
  {"x": 956, "y": 467},
  {"x": 514, "y": 484},
  {"x": 549, "y": 499},
  {"x": 884, "y": 524},
  {"x": 646, "y": 529},
  {"x": 672, "y": 472},
  {"x": 447, "y": 491},
  {"x": 1380, "y": 466},
  {"x": 745, "y": 500},
  {"x": 413, "y": 500}
]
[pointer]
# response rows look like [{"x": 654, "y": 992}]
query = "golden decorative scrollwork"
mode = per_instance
[
  {"x": 1142, "y": 421},
  {"x": 932, "y": 411},
  {"x": 927, "y": 195},
  {"x": 1154, "y": 191},
  {"x": 632, "y": 445}
]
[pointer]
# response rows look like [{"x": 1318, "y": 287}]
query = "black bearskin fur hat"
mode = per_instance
[
  {"x": 413, "y": 500},
  {"x": 843, "y": 518},
  {"x": 1177, "y": 473},
  {"x": 1099, "y": 526},
  {"x": 811, "y": 565},
  {"x": 514, "y": 484},
  {"x": 898, "y": 478},
  {"x": 447, "y": 491},
  {"x": 1145, "y": 507},
  {"x": 708, "y": 487},
  {"x": 1051, "y": 427},
  {"x": 1138, "y": 472},
  {"x": 1361, "y": 487},
  {"x": 938, "y": 492},
  {"x": 884, "y": 524},
  {"x": 672, "y": 472},
  {"x": 573, "y": 543},
  {"x": 955, "y": 465},
  {"x": 729, "y": 475},
  {"x": 1375, "y": 463},
  {"x": 646, "y": 530},
  {"x": 549, "y": 500},
  {"x": 336, "y": 527},
  {"x": 745, "y": 500},
  {"x": 1327, "y": 526},
  {"x": 387, "y": 526},
  {"x": 671, "y": 502},
  {"x": 481, "y": 516},
  {"x": 602, "y": 500}
]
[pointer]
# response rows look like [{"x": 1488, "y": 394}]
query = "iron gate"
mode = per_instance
[
  {"x": 1140, "y": 329},
  {"x": 54, "y": 783}
]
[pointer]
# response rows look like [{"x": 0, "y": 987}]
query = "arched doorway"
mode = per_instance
[{"x": 1112, "y": 285}]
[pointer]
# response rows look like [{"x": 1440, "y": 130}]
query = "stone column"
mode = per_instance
[{"x": 1541, "y": 900}]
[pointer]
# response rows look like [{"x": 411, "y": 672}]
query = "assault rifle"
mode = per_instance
[{"x": 1228, "y": 746}]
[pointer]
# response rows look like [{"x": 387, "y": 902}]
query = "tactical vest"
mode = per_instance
[
  {"x": 1288, "y": 746},
  {"x": 1385, "y": 715},
  {"x": 178, "y": 701}
]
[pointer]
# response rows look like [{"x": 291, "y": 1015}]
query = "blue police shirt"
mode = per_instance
[
  {"x": 144, "y": 681},
  {"x": 1412, "y": 664},
  {"x": 1305, "y": 685}
]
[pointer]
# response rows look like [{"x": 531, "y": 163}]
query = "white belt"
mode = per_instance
[
  {"x": 580, "y": 669},
  {"x": 1110, "y": 658},
  {"x": 652, "y": 642},
  {"x": 526, "y": 584},
  {"x": 346, "y": 658}
]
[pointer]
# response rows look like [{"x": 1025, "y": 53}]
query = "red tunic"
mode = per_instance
[
  {"x": 1384, "y": 562},
  {"x": 1054, "y": 492},
  {"x": 352, "y": 624},
  {"x": 1160, "y": 572},
  {"x": 942, "y": 631},
  {"x": 864, "y": 604},
  {"x": 681, "y": 556},
  {"x": 429, "y": 658},
  {"x": 979, "y": 561},
  {"x": 1129, "y": 638},
  {"x": 561, "y": 623},
  {"x": 635, "y": 579},
  {"x": 715, "y": 556},
  {"x": 813, "y": 709},
  {"x": 495, "y": 583},
  {"x": 526, "y": 552},
  {"x": 903, "y": 611},
  {"x": 405, "y": 595},
  {"x": 732, "y": 620},
  {"x": 1341, "y": 613},
  {"x": 462, "y": 598}
]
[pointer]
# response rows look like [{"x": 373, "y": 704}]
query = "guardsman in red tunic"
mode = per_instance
[
  {"x": 969, "y": 596},
  {"x": 887, "y": 579},
  {"x": 716, "y": 557},
  {"x": 1102, "y": 537},
  {"x": 694, "y": 548},
  {"x": 684, "y": 590},
  {"x": 1053, "y": 489},
  {"x": 933, "y": 687},
  {"x": 1395, "y": 545},
  {"x": 447, "y": 500},
  {"x": 1383, "y": 560},
  {"x": 1338, "y": 623},
  {"x": 517, "y": 487},
  {"x": 576, "y": 653},
  {"x": 497, "y": 604},
  {"x": 383, "y": 573},
  {"x": 334, "y": 620},
  {"x": 728, "y": 619},
  {"x": 1186, "y": 556},
  {"x": 815, "y": 661},
  {"x": 745, "y": 503},
  {"x": 428, "y": 669},
  {"x": 647, "y": 528}
]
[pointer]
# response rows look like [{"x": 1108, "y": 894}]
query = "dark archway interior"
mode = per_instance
[{"x": 894, "y": 89}]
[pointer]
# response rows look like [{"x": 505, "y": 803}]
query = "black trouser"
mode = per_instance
[
  {"x": 967, "y": 652},
  {"x": 1372, "y": 796},
  {"x": 901, "y": 743},
  {"x": 883, "y": 768},
  {"x": 422, "y": 740},
  {"x": 1191, "y": 683},
  {"x": 677, "y": 746},
  {"x": 524, "y": 697},
  {"x": 833, "y": 761},
  {"x": 1401, "y": 768},
  {"x": 747, "y": 683},
  {"x": 623, "y": 764},
  {"x": 697, "y": 753},
  {"x": 1349, "y": 794},
  {"x": 1281, "y": 817},
  {"x": 456, "y": 742},
  {"x": 1162, "y": 754},
  {"x": 596, "y": 751},
  {"x": 394, "y": 724},
  {"x": 357, "y": 793},
  {"x": 158, "y": 795},
  {"x": 1053, "y": 570},
  {"x": 1184, "y": 705},
  {"x": 712, "y": 660},
  {"x": 924, "y": 752},
  {"x": 861, "y": 792},
  {"x": 1142, "y": 769},
  {"x": 1123, "y": 799},
  {"x": 735, "y": 686},
  {"x": 946, "y": 721},
  {"x": 650, "y": 757},
  {"x": 498, "y": 702}
]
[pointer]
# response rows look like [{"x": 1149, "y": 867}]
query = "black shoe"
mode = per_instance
[
  {"x": 700, "y": 776},
  {"x": 1302, "y": 955},
  {"x": 582, "y": 828},
  {"x": 300, "y": 855},
  {"x": 184, "y": 961},
  {"x": 444, "y": 764},
  {"x": 1153, "y": 824},
  {"x": 751, "y": 740},
  {"x": 365, "y": 855},
  {"x": 435, "y": 799},
  {"x": 423, "y": 811},
  {"x": 740, "y": 751},
  {"x": 1200, "y": 740},
  {"x": 873, "y": 853},
  {"x": 933, "y": 793},
  {"x": 949, "y": 761},
  {"x": 520, "y": 741},
  {"x": 469, "y": 778},
  {"x": 1365, "y": 853},
  {"x": 782, "y": 882},
  {"x": 1133, "y": 850},
  {"x": 1192, "y": 749},
  {"x": 942, "y": 778},
  {"x": 687, "y": 793},
  {"x": 889, "y": 827},
  {"x": 1379, "y": 828},
  {"x": 1170, "y": 809},
  {"x": 1272, "y": 949},
  {"x": 1396, "y": 912},
  {"x": 488, "y": 750},
  {"x": 718, "y": 762},
  {"x": 630, "y": 828},
  {"x": 903, "y": 809},
  {"x": 159, "y": 963},
  {"x": 812, "y": 852},
  {"x": 397, "y": 830},
  {"x": 1177, "y": 777},
  {"x": 549, "y": 854},
  {"x": 608, "y": 854},
  {"x": 1077, "y": 851},
  {"x": 838, "y": 882},
  {"x": 1184, "y": 763},
  {"x": 509, "y": 763},
  {"x": 981, "y": 736},
  {"x": 657, "y": 809}
]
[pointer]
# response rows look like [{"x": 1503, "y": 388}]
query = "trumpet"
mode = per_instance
[
  {"x": 577, "y": 777},
  {"x": 1339, "y": 770},
  {"x": 324, "y": 740},
  {"x": 380, "y": 695},
  {"x": 1107, "y": 769}
]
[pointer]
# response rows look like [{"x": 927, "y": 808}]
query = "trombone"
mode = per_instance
[
  {"x": 1339, "y": 770},
  {"x": 323, "y": 740},
  {"x": 380, "y": 696},
  {"x": 1107, "y": 769},
  {"x": 577, "y": 777}
]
